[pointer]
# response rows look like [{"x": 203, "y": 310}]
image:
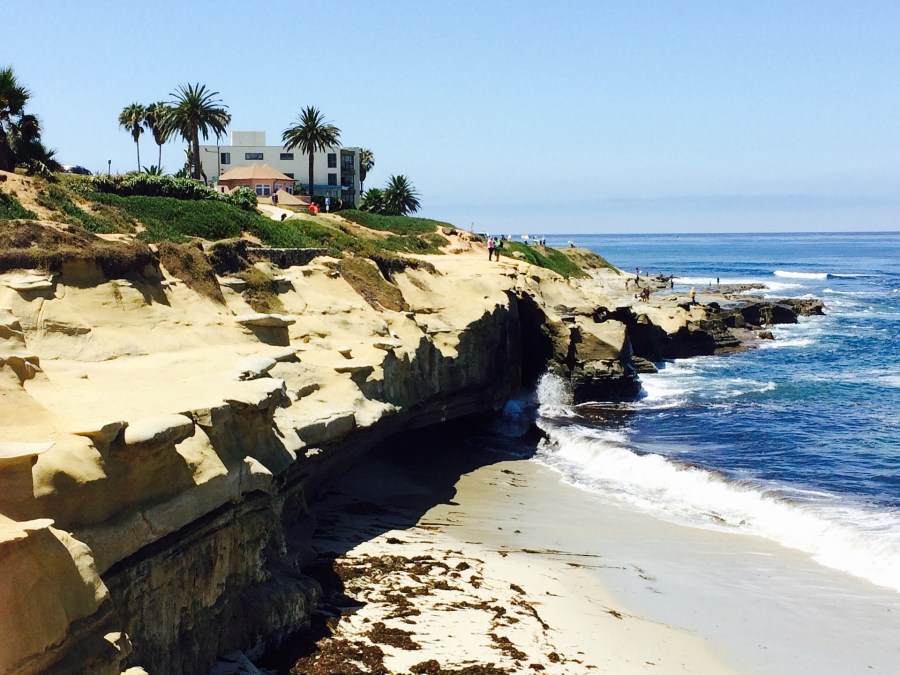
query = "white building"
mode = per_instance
[{"x": 336, "y": 171}]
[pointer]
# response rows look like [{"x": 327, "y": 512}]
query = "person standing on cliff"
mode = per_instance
[
  {"x": 693, "y": 297},
  {"x": 490, "y": 248}
]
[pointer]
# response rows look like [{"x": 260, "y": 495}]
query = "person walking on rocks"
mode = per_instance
[{"x": 693, "y": 297}]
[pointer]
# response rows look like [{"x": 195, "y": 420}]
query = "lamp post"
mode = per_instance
[
  {"x": 218, "y": 160},
  {"x": 109, "y": 167}
]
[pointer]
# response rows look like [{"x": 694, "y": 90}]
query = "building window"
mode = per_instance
[
  {"x": 332, "y": 179},
  {"x": 332, "y": 160},
  {"x": 225, "y": 157},
  {"x": 262, "y": 189},
  {"x": 347, "y": 162},
  {"x": 287, "y": 156},
  {"x": 253, "y": 155},
  {"x": 289, "y": 175}
]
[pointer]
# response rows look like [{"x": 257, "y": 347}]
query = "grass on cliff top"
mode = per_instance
[
  {"x": 588, "y": 260},
  {"x": 92, "y": 216},
  {"x": 29, "y": 245},
  {"x": 549, "y": 258},
  {"x": 395, "y": 224},
  {"x": 10, "y": 208}
]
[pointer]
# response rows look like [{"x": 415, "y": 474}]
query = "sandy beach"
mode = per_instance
[
  {"x": 475, "y": 561},
  {"x": 458, "y": 565}
]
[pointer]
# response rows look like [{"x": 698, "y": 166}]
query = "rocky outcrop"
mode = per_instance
[{"x": 163, "y": 464}]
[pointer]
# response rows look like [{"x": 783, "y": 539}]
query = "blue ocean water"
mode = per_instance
[{"x": 797, "y": 441}]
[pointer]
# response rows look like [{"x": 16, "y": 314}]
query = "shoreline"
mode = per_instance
[
  {"x": 567, "y": 583},
  {"x": 474, "y": 593}
]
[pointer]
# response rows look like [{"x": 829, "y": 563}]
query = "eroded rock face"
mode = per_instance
[{"x": 188, "y": 509}]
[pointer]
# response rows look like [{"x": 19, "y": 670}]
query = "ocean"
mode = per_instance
[
  {"x": 797, "y": 441},
  {"x": 795, "y": 444}
]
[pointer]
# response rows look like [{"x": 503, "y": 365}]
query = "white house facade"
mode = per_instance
[{"x": 336, "y": 171}]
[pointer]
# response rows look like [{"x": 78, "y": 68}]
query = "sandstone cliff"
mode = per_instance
[{"x": 158, "y": 449}]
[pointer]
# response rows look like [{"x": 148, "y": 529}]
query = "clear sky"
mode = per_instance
[{"x": 528, "y": 116}]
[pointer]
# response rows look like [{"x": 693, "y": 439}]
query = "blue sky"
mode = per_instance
[{"x": 631, "y": 116}]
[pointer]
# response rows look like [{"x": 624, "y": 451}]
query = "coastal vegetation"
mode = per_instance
[
  {"x": 131, "y": 119},
  {"x": 542, "y": 256},
  {"x": 25, "y": 244},
  {"x": 11, "y": 208},
  {"x": 160, "y": 209},
  {"x": 188, "y": 263},
  {"x": 195, "y": 111},
  {"x": 262, "y": 291},
  {"x": 20, "y": 132},
  {"x": 155, "y": 117},
  {"x": 398, "y": 198},
  {"x": 366, "y": 278},
  {"x": 311, "y": 133},
  {"x": 395, "y": 224},
  {"x": 366, "y": 164}
]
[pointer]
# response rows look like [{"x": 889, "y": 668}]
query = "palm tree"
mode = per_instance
[
  {"x": 155, "y": 120},
  {"x": 132, "y": 120},
  {"x": 13, "y": 97},
  {"x": 400, "y": 196},
  {"x": 366, "y": 164},
  {"x": 20, "y": 133},
  {"x": 193, "y": 111},
  {"x": 310, "y": 133},
  {"x": 372, "y": 201}
]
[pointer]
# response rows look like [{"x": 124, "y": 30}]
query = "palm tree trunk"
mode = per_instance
[
  {"x": 137, "y": 144},
  {"x": 311, "y": 151},
  {"x": 195, "y": 146},
  {"x": 160, "y": 158}
]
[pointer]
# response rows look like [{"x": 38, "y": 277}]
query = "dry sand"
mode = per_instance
[{"x": 451, "y": 562}]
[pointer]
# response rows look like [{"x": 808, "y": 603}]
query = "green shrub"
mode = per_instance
[
  {"x": 243, "y": 197},
  {"x": 395, "y": 224},
  {"x": 11, "y": 208},
  {"x": 146, "y": 185}
]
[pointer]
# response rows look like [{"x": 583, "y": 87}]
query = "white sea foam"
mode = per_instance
[
  {"x": 841, "y": 536},
  {"x": 801, "y": 275},
  {"x": 889, "y": 380},
  {"x": 554, "y": 396},
  {"x": 792, "y": 343}
]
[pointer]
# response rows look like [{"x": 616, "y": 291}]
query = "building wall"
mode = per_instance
[{"x": 249, "y": 147}]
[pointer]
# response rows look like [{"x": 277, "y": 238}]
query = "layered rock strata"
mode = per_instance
[{"x": 158, "y": 450}]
